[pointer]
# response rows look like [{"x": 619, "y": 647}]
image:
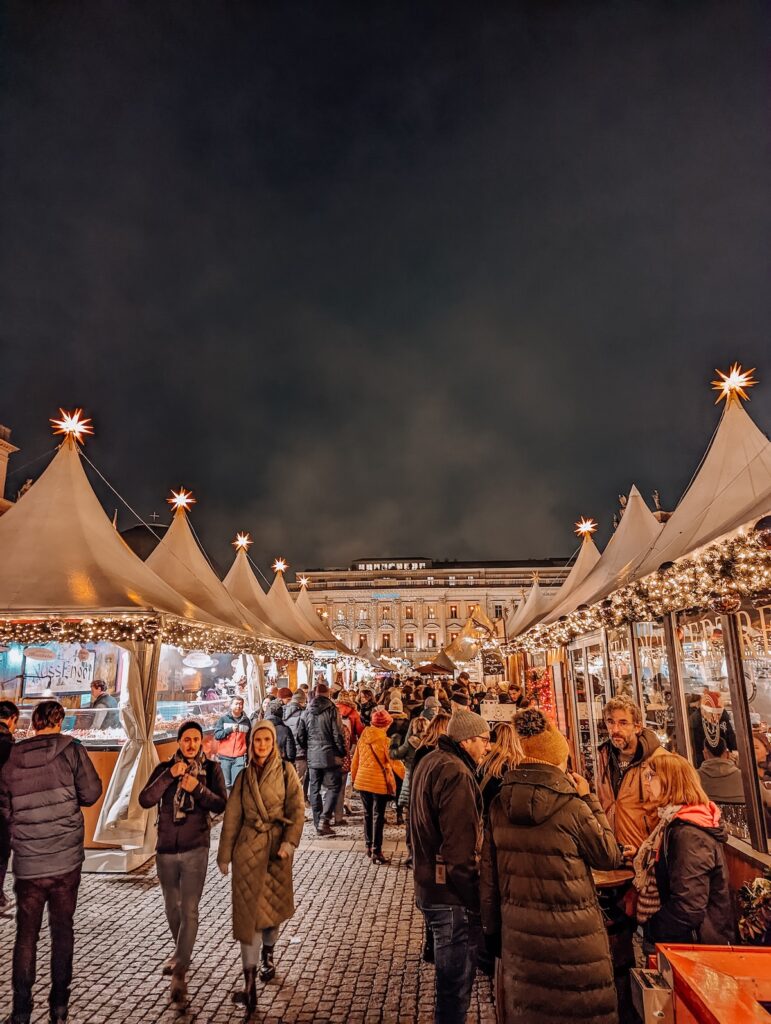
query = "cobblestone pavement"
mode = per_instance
[{"x": 350, "y": 954}]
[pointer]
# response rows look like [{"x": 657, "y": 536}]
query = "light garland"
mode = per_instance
[{"x": 722, "y": 577}]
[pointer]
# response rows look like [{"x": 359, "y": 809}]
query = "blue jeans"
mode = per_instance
[
  {"x": 331, "y": 779},
  {"x": 231, "y": 766},
  {"x": 457, "y": 934}
]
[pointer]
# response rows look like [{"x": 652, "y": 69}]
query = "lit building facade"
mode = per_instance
[{"x": 412, "y": 607}]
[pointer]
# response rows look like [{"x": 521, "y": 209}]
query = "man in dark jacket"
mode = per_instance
[
  {"x": 9, "y": 716},
  {"x": 284, "y": 736},
  {"x": 232, "y": 733},
  {"x": 44, "y": 783},
  {"x": 188, "y": 787},
  {"x": 446, "y": 833},
  {"x": 320, "y": 735},
  {"x": 109, "y": 716},
  {"x": 292, "y": 714}
]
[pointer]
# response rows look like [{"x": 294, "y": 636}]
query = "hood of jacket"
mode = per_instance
[
  {"x": 292, "y": 710},
  {"x": 704, "y": 816},
  {"x": 533, "y": 793},
  {"x": 718, "y": 768},
  {"x": 320, "y": 705},
  {"x": 38, "y": 751}
]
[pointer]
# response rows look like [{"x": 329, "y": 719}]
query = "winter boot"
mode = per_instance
[
  {"x": 378, "y": 858},
  {"x": 178, "y": 986},
  {"x": 267, "y": 967},
  {"x": 248, "y": 997}
]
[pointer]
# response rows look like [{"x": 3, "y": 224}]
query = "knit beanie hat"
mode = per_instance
[
  {"x": 395, "y": 704},
  {"x": 460, "y": 699},
  {"x": 465, "y": 725},
  {"x": 381, "y": 719},
  {"x": 189, "y": 725},
  {"x": 540, "y": 741},
  {"x": 300, "y": 697},
  {"x": 276, "y": 708}
]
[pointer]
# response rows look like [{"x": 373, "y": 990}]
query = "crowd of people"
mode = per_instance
[{"x": 502, "y": 835}]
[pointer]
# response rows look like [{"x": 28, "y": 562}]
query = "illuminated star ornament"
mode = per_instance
[
  {"x": 734, "y": 384},
  {"x": 585, "y": 527},
  {"x": 280, "y": 565},
  {"x": 304, "y": 581},
  {"x": 73, "y": 425},
  {"x": 242, "y": 542},
  {"x": 181, "y": 500}
]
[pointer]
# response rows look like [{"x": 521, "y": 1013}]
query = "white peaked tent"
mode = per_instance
[
  {"x": 364, "y": 653},
  {"x": 179, "y": 560},
  {"x": 731, "y": 488},
  {"x": 635, "y": 533},
  {"x": 283, "y": 613},
  {"x": 304, "y": 607},
  {"x": 588, "y": 557},
  {"x": 533, "y": 608},
  {"x": 243, "y": 585},
  {"x": 60, "y": 553}
]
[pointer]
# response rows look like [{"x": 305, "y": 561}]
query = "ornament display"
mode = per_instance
[{"x": 762, "y": 533}]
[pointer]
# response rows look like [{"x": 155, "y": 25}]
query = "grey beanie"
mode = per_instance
[{"x": 465, "y": 725}]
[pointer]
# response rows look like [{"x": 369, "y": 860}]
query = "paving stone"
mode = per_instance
[{"x": 351, "y": 953}]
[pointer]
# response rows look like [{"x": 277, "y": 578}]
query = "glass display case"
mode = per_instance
[
  {"x": 655, "y": 683},
  {"x": 755, "y": 636},
  {"x": 591, "y": 690}
]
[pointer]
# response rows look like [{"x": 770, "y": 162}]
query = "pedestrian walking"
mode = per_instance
[
  {"x": 680, "y": 869},
  {"x": 292, "y": 713},
  {"x": 544, "y": 833},
  {"x": 9, "y": 718},
  {"x": 320, "y": 735},
  {"x": 285, "y": 741},
  {"x": 44, "y": 783},
  {"x": 231, "y": 733},
  {"x": 446, "y": 832},
  {"x": 262, "y": 829},
  {"x": 374, "y": 779},
  {"x": 405, "y": 752},
  {"x": 187, "y": 789},
  {"x": 367, "y": 705},
  {"x": 353, "y": 727}
]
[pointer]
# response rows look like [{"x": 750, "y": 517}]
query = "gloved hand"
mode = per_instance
[{"x": 285, "y": 850}]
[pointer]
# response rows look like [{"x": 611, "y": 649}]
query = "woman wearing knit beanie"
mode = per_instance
[
  {"x": 372, "y": 775},
  {"x": 544, "y": 834}
]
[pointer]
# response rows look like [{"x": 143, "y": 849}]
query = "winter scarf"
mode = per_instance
[{"x": 184, "y": 802}]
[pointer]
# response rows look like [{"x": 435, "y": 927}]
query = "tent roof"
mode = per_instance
[
  {"x": 635, "y": 533},
  {"x": 243, "y": 585},
  {"x": 732, "y": 487},
  {"x": 588, "y": 557},
  {"x": 179, "y": 560},
  {"x": 364, "y": 653},
  {"x": 60, "y": 552},
  {"x": 285, "y": 615},
  {"x": 534, "y": 607},
  {"x": 304, "y": 608},
  {"x": 467, "y": 644}
]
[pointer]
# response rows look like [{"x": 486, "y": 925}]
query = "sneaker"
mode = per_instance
[{"x": 325, "y": 829}]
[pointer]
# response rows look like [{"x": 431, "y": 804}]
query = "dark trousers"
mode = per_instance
[
  {"x": 330, "y": 779},
  {"x": 60, "y": 892},
  {"x": 457, "y": 934},
  {"x": 374, "y": 818},
  {"x": 5, "y": 850},
  {"x": 182, "y": 877},
  {"x": 231, "y": 766}
]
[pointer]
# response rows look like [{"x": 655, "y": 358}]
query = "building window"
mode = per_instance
[
  {"x": 471, "y": 608},
  {"x": 470, "y": 580},
  {"x": 452, "y": 581},
  {"x": 409, "y": 639},
  {"x": 453, "y": 636},
  {"x": 431, "y": 612},
  {"x": 453, "y": 611},
  {"x": 362, "y": 639},
  {"x": 430, "y": 581},
  {"x": 497, "y": 611},
  {"x": 385, "y": 612},
  {"x": 408, "y": 614},
  {"x": 386, "y": 641},
  {"x": 431, "y": 640}
]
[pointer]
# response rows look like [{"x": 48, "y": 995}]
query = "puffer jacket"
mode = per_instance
[
  {"x": 292, "y": 714},
  {"x": 541, "y": 842},
  {"x": 692, "y": 879},
  {"x": 372, "y": 769},
  {"x": 446, "y": 826},
  {"x": 320, "y": 734},
  {"x": 45, "y": 782},
  {"x": 6, "y": 743},
  {"x": 287, "y": 747},
  {"x": 630, "y": 813},
  {"x": 404, "y": 752},
  {"x": 355, "y": 724},
  {"x": 192, "y": 832},
  {"x": 265, "y": 809}
]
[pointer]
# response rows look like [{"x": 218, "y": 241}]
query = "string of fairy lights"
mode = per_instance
[{"x": 723, "y": 577}]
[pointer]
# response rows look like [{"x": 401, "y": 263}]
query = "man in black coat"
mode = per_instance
[
  {"x": 320, "y": 735},
  {"x": 44, "y": 783},
  {"x": 109, "y": 716},
  {"x": 188, "y": 789},
  {"x": 446, "y": 834},
  {"x": 9, "y": 716},
  {"x": 287, "y": 747}
]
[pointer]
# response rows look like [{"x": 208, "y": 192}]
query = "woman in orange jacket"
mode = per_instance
[{"x": 372, "y": 774}]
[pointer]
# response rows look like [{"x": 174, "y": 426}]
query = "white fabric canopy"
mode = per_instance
[
  {"x": 588, "y": 557},
  {"x": 283, "y": 612},
  {"x": 534, "y": 607},
  {"x": 731, "y": 488},
  {"x": 635, "y": 533},
  {"x": 243, "y": 585},
  {"x": 179, "y": 560},
  {"x": 59, "y": 552},
  {"x": 304, "y": 607}
]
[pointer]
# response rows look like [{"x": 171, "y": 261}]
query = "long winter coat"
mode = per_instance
[
  {"x": 372, "y": 769},
  {"x": 541, "y": 841},
  {"x": 320, "y": 734},
  {"x": 262, "y": 813}
]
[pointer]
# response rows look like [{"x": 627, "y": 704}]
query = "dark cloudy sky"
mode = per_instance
[{"x": 384, "y": 278}]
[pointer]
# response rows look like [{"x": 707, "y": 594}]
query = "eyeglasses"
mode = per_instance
[{"x": 647, "y": 776}]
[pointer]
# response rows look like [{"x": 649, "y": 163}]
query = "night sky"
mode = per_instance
[{"x": 383, "y": 279}]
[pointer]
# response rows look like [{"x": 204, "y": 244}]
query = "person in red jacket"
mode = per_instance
[{"x": 232, "y": 732}]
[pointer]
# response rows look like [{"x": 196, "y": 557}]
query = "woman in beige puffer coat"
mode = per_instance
[{"x": 262, "y": 828}]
